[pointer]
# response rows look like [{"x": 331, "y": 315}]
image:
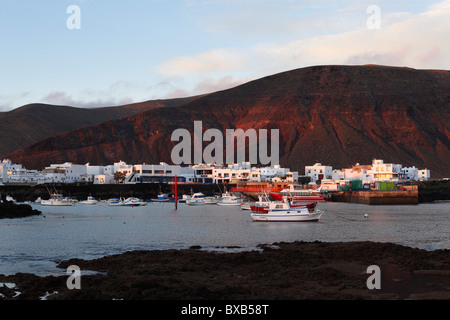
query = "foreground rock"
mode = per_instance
[
  {"x": 9, "y": 209},
  {"x": 289, "y": 271}
]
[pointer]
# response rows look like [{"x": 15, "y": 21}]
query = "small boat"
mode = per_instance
[
  {"x": 197, "y": 199},
  {"x": 115, "y": 202},
  {"x": 211, "y": 200},
  {"x": 245, "y": 206},
  {"x": 89, "y": 200},
  {"x": 229, "y": 200},
  {"x": 57, "y": 199},
  {"x": 263, "y": 205},
  {"x": 282, "y": 211},
  {"x": 184, "y": 198},
  {"x": 163, "y": 197},
  {"x": 133, "y": 202}
]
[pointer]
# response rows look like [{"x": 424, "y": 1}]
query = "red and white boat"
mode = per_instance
[
  {"x": 282, "y": 211},
  {"x": 263, "y": 205}
]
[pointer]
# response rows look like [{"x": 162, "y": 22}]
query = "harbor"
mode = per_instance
[
  {"x": 41, "y": 247},
  {"x": 421, "y": 192}
]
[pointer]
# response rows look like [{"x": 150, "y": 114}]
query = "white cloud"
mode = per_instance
[
  {"x": 405, "y": 39},
  {"x": 203, "y": 63}
]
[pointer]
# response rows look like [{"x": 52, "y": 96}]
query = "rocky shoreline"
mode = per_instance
[
  {"x": 281, "y": 271},
  {"x": 9, "y": 209}
]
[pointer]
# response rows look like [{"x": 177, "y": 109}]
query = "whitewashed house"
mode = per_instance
[{"x": 318, "y": 172}]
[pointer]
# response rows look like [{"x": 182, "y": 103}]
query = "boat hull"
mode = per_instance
[
  {"x": 56, "y": 203},
  {"x": 195, "y": 203},
  {"x": 89, "y": 202},
  {"x": 229, "y": 203},
  {"x": 288, "y": 216}
]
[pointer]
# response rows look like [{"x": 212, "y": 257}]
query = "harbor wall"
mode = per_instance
[
  {"x": 423, "y": 192},
  {"x": 376, "y": 197},
  {"x": 145, "y": 191}
]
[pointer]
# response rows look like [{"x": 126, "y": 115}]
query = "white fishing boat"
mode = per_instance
[
  {"x": 57, "y": 199},
  {"x": 89, "y": 200},
  {"x": 229, "y": 200},
  {"x": 282, "y": 211},
  {"x": 197, "y": 199}
]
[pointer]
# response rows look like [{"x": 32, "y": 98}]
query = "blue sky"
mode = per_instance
[{"x": 132, "y": 51}]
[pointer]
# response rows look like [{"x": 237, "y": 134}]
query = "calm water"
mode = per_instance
[{"x": 36, "y": 244}]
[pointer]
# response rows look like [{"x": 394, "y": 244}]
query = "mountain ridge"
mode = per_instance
[
  {"x": 333, "y": 114},
  {"x": 34, "y": 122}
]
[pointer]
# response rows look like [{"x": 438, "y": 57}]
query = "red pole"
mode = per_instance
[{"x": 176, "y": 194}]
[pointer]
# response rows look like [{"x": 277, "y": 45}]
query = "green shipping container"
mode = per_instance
[
  {"x": 357, "y": 185},
  {"x": 385, "y": 186}
]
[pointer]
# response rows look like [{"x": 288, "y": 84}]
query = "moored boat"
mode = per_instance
[
  {"x": 57, "y": 199},
  {"x": 184, "y": 198},
  {"x": 89, "y": 200},
  {"x": 229, "y": 200},
  {"x": 115, "y": 202},
  {"x": 197, "y": 199},
  {"x": 245, "y": 206},
  {"x": 211, "y": 200},
  {"x": 133, "y": 202},
  {"x": 282, "y": 211},
  {"x": 162, "y": 197}
]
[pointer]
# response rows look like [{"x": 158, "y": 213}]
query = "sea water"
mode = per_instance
[{"x": 37, "y": 244}]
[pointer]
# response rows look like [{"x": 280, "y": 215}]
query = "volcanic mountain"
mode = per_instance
[
  {"x": 32, "y": 123},
  {"x": 336, "y": 115}
]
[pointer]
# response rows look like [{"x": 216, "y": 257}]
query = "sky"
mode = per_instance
[{"x": 107, "y": 53}]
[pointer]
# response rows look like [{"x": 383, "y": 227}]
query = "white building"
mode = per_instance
[
  {"x": 318, "y": 172},
  {"x": 381, "y": 171},
  {"x": 16, "y": 174},
  {"x": 214, "y": 173},
  {"x": 8, "y": 169},
  {"x": 159, "y": 173},
  {"x": 423, "y": 174},
  {"x": 66, "y": 172},
  {"x": 409, "y": 173}
]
